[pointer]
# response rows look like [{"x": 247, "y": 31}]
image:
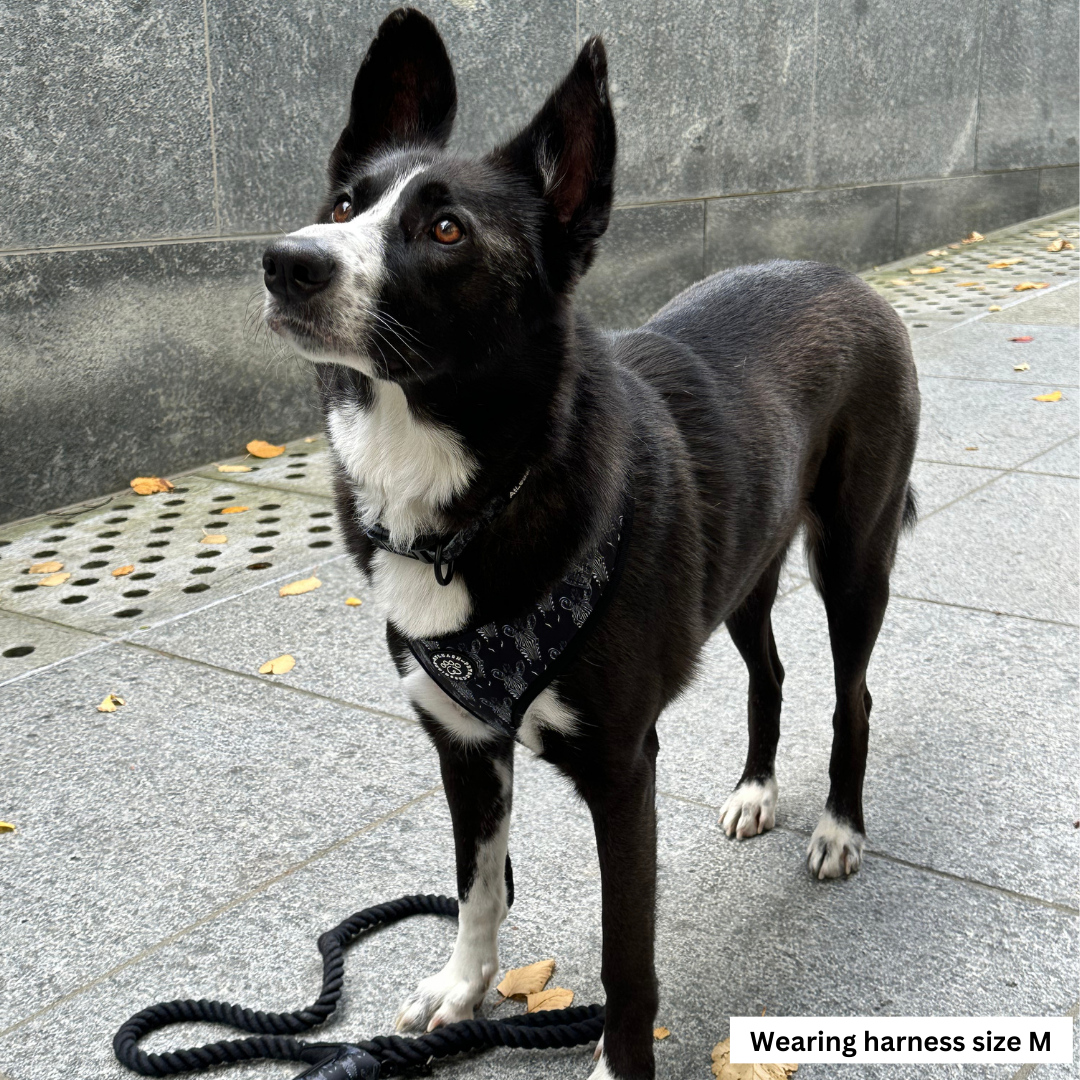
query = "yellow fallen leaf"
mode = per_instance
[
  {"x": 994, "y": 307},
  {"x": 150, "y": 485},
  {"x": 234, "y": 468},
  {"x": 259, "y": 448},
  {"x": 660, "y": 1033},
  {"x": 46, "y": 567},
  {"x": 1024, "y": 286},
  {"x": 54, "y": 579},
  {"x": 123, "y": 571},
  {"x": 311, "y": 438},
  {"x": 214, "y": 538},
  {"x": 279, "y": 665},
  {"x": 531, "y": 979},
  {"x": 1002, "y": 263},
  {"x": 971, "y": 448},
  {"x": 927, "y": 270},
  {"x": 722, "y": 1068},
  {"x": 234, "y": 509},
  {"x": 110, "y": 702},
  {"x": 936, "y": 252},
  {"x": 1059, "y": 245},
  {"x": 354, "y": 601},
  {"x": 6, "y": 826},
  {"x": 1021, "y": 367},
  {"x": 954, "y": 245},
  {"x": 1049, "y": 235},
  {"x": 555, "y": 998},
  {"x": 295, "y": 588},
  {"x": 897, "y": 281},
  {"x": 972, "y": 237},
  {"x": 968, "y": 284},
  {"x": 1054, "y": 395}
]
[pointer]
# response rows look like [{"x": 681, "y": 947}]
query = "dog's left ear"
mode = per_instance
[
  {"x": 568, "y": 153},
  {"x": 404, "y": 92}
]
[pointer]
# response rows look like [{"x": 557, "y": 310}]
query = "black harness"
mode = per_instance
[{"x": 497, "y": 670}]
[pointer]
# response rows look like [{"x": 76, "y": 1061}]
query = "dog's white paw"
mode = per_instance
[
  {"x": 445, "y": 998},
  {"x": 750, "y": 809},
  {"x": 835, "y": 848}
]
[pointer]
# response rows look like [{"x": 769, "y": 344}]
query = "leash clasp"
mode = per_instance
[{"x": 440, "y": 577}]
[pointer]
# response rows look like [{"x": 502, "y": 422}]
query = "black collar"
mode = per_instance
[{"x": 438, "y": 550}]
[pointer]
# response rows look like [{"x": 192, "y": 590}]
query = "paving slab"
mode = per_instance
[
  {"x": 938, "y": 485},
  {"x": 972, "y": 740},
  {"x": 134, "y": 823},
  {"x": 27, "y": 644},
  {"x": 1008, "y": 547},
  {"x": 162, "y": 536},
  {"x": 1063, "y": 460},
  {"x": 1056, "y": 308},
  {"x": 1004, "y": 424},
  {"x": 304, "y": 467},
  {"x": 741, "y": 927}
]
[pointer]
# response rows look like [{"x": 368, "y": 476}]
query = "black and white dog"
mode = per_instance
[{"x": 501, "y": 464}]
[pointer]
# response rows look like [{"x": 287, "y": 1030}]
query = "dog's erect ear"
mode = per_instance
[
  {"x": 568, "y": 151},
  {"x": 404, "y": 92}
]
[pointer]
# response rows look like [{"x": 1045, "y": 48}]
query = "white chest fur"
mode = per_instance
[{"x": 403, "y": 469}]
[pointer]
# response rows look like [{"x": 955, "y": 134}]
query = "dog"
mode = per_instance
[{"x": 555, "y": 519}]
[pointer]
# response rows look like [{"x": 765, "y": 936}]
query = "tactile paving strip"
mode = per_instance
[
  {"x": 160, "y": 535},
  {"x": 968, "y": 286}
]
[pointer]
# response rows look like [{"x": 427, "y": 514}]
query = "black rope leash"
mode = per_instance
[{"x": 383, "y": 1056}]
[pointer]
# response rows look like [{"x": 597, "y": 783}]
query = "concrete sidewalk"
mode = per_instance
[{"x": 196, "y": 841}]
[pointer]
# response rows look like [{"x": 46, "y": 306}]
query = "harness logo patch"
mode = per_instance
[{"x": 452, "y": 665}]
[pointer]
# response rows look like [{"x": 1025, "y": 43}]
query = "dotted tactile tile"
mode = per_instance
[
  {"x": 305, "y": 467},
  {"x": 968, "y": 287},
  {"x": 160, "y": 536}
]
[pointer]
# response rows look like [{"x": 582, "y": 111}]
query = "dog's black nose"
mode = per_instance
[{"x": 297, "y": 269}]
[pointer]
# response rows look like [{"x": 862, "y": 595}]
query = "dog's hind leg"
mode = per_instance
[
  {"x": 478, "y": 778},
  {"x": 851, "y": 555},
  {"x": 751, "y": 807}
]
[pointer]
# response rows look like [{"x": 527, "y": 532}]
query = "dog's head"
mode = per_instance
[{"x": 426, "y": 265}]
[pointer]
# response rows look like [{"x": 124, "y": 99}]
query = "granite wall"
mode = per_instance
[{"x": 150, "y": 149}]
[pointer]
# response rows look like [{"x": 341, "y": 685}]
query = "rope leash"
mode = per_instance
[{"x": 383, "y": 1056}]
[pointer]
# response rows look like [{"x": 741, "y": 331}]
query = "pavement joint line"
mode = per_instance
[
  {"x": 962, "y": 879},
  {"x": 994, "y": 479},
  {"x": 1000, "y": 382},
  {"x": 371, "y": 826},
  {"x": 126, "y": 638},
  {"x": 260, "y": 680},
  {"x": 986, "y": 611},
  {"x": 1026, "y": 1070},
  {"x": 997, "y": 468}
]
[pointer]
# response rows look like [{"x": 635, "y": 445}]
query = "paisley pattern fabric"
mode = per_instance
[{"x": 496, "y": 671}]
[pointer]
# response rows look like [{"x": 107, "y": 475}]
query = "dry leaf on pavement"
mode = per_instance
[
  {"x": 353, "y": 601},
  {"x": 1002, "y": 263},
  {"x": 311, "y": 438},
  {"x": 660, "y": 1033},
  {"x": 1059, "y": 245},
  {"x": 972, "y": 237},
  {"x": 150, "y": 485},
  {"x": 234, "y": 468},
  {"x": 6, "y": 826},
  {"x": 54, "y": 579},
  {"x": 214, "y": 538},
  {"x": 279, "y": 665},
  {"x": 235, "y": 509},
  {"x": 259, "y": 448},
  {"x": 967, "y": 284},
  {"x": 295, "y": 588},
  {"x": 1024, "y": 286},
  {"x": 967, "y": 448},
  {"x": 1021, "y": 367},
  {"x": 555, "y": 998},
  {"x": 110, "y": 703},
  {"x": 936, "y": 252},
  {"x": 1054, "y": 395},
  {"x": 123, "y": 571},
  {"x": 722, "y": 1068},
  {"x": 1026, "y": 337},
  {"x": 1049, "y": 235},
  {"x": 531, "y": 979},
  {"x": 927, "y": 270},
  {"x": 46, "y": 567},
  {"x": 994, "y": 307}
]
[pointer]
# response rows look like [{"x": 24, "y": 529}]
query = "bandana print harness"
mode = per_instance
[{"x": 496, "y": 671}]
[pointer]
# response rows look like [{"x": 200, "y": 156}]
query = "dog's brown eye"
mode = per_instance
[
  {"x": 343, "y": 211},
  {"x": 447, "y": 231}
]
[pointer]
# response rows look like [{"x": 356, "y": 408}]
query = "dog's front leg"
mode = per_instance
[
  {"x": 478, "y": 778},
  {"x": 622, "y": 801}
]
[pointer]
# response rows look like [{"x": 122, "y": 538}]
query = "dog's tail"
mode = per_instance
[{"x": 911, "y": 509}]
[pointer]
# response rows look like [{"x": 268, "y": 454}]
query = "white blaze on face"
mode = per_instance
[{"x": 359, "y": 250}]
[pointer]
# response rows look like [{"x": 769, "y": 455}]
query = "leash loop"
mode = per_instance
[
  {"x": 272, "y": 1033},
  {"x": 438, "y": 566}
]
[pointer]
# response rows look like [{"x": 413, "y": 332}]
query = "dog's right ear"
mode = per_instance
[{"x": 404, "y": 93}]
